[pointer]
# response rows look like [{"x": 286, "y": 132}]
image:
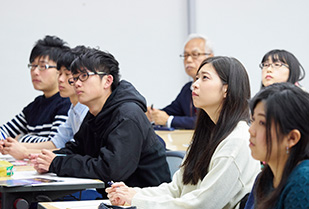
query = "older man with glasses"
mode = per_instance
[{"x": 181, "y": 113}]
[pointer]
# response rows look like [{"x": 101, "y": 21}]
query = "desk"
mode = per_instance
[
  {"x": 86, "y": 204},
  {"x": 177, "y": 139},
  {"x": 54, "y": 190}
]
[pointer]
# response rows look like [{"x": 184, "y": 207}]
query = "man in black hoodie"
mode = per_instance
[{"x": 115, "y": 141}]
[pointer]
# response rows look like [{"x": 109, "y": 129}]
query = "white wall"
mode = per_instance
[
  {"x": 146, "y": 37},
  {"x": 247, "y": 29}
]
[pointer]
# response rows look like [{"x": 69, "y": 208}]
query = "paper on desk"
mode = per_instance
[
  {"x": 89, "y": 204},
  {"x": 8, "y": 158},
  {"x": 52, "y": 176}
]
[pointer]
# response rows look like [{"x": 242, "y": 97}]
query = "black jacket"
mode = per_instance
[{"x": 118, "y": 144}]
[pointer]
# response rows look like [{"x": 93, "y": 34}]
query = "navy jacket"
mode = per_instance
[{"x": 182, "y": 109}]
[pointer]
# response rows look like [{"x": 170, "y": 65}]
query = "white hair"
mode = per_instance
[{"x": 208, "y": 44}]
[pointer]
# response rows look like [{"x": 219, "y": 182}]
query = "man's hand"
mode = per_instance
[
  {"x": 13, "y": 147},
  {"x": 159, "y": 117},
  {"x": 43, "y": 160}
]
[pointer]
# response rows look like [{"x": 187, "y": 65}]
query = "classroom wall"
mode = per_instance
[
  {"x": 146, "y": 37},
  {"x": 248, "y": 29}
]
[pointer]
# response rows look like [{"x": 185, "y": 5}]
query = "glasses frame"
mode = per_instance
[
  {"x": 46, "y": 66},
  {"x": 73, "y": 79},
  {"x": 186, "y": 56},
  {"x": 261, "y": 65}
]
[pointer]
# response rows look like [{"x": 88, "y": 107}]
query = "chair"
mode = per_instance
[{"x": 174, "y": 160}]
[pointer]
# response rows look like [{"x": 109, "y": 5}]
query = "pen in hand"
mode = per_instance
[
  {"x": 3, "y": 135},
  {"x": 110, "y": 183},
  {"x": 152, "y": 122}
]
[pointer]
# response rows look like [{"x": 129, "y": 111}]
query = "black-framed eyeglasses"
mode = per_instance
[
  {"x": 41, "y": 67},
  {"x": 194, "y": 55},
  {"x": 83, "y": 77},
  {"x": 275, "y": 65}
]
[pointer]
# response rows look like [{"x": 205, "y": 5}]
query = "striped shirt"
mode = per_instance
[{"x": 39, "y": 121}]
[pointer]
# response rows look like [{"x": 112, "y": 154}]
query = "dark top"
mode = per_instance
[
  {"x": 118, "y": 144},
  {"x": 295, "y": 194},
  {"x": 39, "y": 120},
  {"x": 182, "y": 109}
]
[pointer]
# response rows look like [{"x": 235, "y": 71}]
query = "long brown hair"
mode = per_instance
[{"x": 207, "y": 135}]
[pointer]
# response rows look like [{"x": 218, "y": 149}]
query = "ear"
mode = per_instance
[
  {"x": 109, "y": 81},
  {"x": 293, "y": 137},
  {"x": 225, "y": 87}
]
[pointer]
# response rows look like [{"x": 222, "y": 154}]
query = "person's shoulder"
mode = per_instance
[
  {"x": 187, "y": 85},
  {"x": 129, "y": 108},
  {"x": 240, "y": 131},
  {"x": 301, "y": 171},
  {"x": 37, "y": 100},
  {"x": 236, "y": 142},
  {"x": 61, "y": 100}
]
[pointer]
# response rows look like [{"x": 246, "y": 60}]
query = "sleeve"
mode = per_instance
[
  {"x": 18, "y": 125},
  {"x": 65, "y": 134},
  {"x": 186, "y": 122},
  {"x": 223, "y": 178},
  {"x": 34, "y": 138},
  {"x": 116, "y": 161}
]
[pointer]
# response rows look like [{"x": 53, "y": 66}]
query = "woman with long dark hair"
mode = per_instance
[
  {"x": 279, "y": 136},
  {"x": 218, "y": 170}
]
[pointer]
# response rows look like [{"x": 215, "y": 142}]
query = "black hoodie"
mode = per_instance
[{"x": 118, "y": 144}]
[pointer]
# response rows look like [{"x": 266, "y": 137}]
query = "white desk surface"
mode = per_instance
[
  {"x": 23, "y": 170},
  {"x": 177, "y": 139},
  {"x": 65, "y": 186},
  {"x": 86, "y": 204}
]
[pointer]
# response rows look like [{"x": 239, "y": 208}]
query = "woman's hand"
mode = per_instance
[{"x": 120, "y": 194}]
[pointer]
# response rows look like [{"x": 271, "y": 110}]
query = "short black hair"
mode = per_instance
[
  {"x": 69, "y": 55},
  {"x": 95, "y": 60},
  {"x": 50, "y": 46}
]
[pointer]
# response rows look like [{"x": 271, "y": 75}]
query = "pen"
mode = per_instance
[
  {"x": 110, "y": 183},
  {"x": 152, "y": 122},
  {"x": 3, "y": 135},
  {"x": 61, "y": 155}
]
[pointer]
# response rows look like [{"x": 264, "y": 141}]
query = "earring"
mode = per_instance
[{"x": 287, "y": 149}]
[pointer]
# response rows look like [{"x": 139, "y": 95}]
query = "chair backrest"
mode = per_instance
[{"x": 174, "y": 160}]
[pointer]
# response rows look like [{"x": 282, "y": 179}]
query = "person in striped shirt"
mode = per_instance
[
  {"x": 40, "y": 119},
  {"x": 76, "y": 113}
]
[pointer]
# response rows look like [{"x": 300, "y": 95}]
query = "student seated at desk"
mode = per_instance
[
  {"x": 40, "y": 120},
  {"x": 218, "y": 170},
  {"x": 66, "y": 130},
  {"x": 181, "y": 113},
  {"x": 279, "y": 136},
  {"x": 115, "y": 141}
]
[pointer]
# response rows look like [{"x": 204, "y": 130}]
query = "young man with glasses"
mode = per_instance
[
  {"x": 181, "y": 113},
  {"x": 40, "y": 120},
  {"x": 76, "y": 113},
  {"x": 115, "y": 142}
]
